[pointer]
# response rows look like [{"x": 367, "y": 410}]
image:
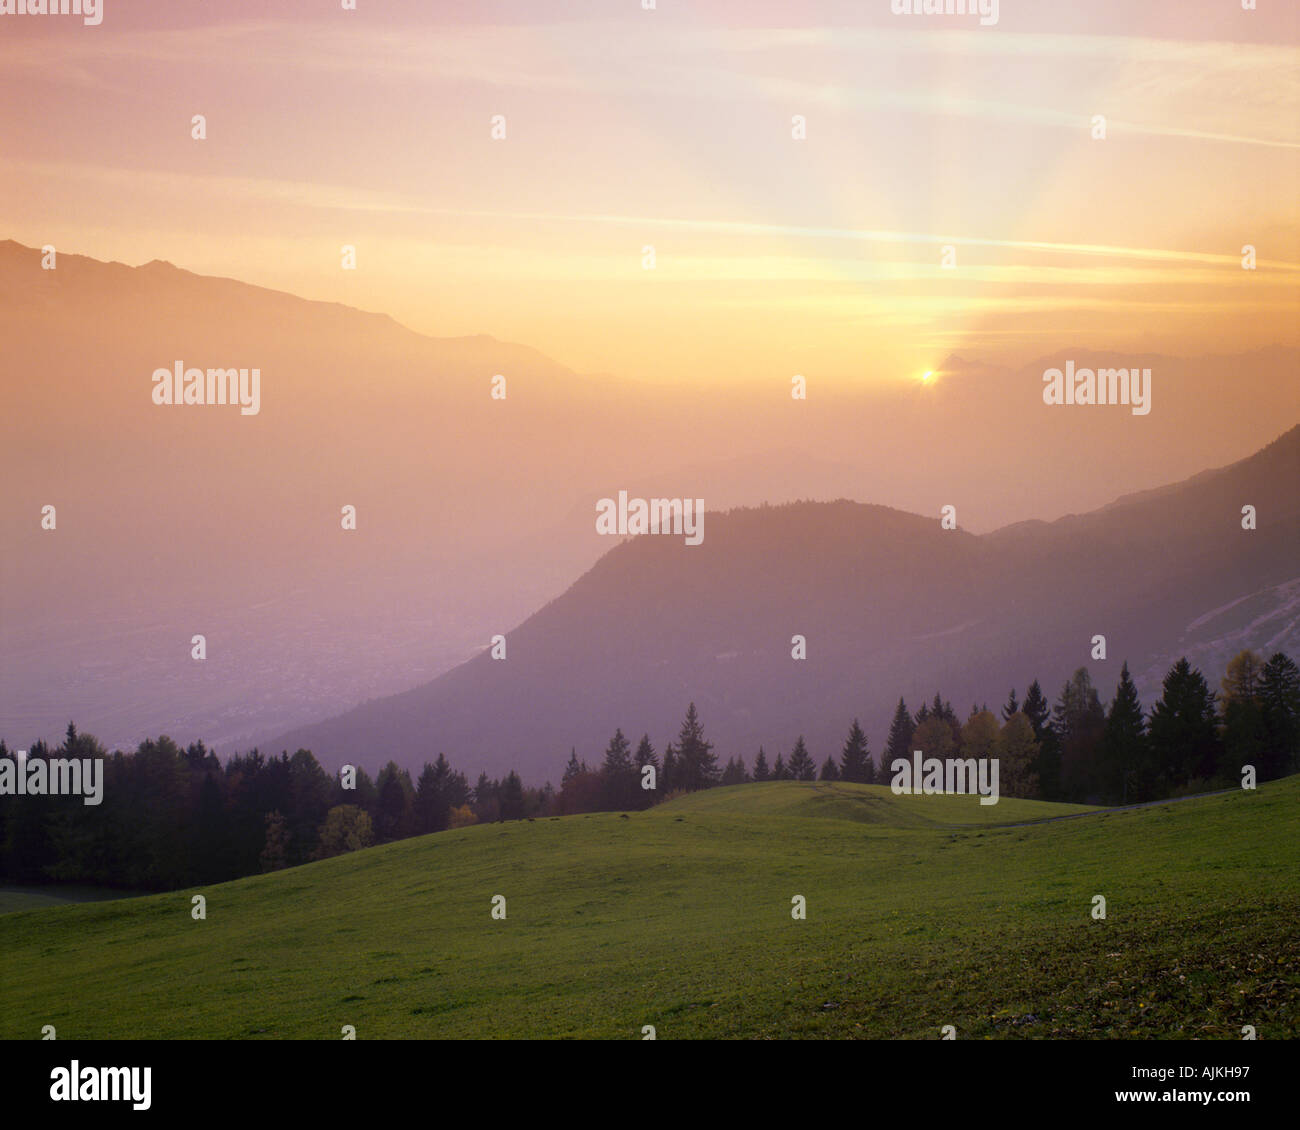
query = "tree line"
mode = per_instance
[
  {"x": 1077, "y": 749},
  {"x": 174, "y": 817}
]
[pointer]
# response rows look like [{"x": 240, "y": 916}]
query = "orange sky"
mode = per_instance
[{"x": 673, "y": 128}]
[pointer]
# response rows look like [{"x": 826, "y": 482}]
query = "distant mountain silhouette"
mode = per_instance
[
  {"x": 890, "y": 604},
  {"x": 471, "y": 513}
]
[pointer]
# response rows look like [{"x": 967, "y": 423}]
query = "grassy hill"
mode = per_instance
[{"x": 921, "y": 912}]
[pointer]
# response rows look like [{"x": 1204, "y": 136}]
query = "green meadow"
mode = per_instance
[{"x": 920, "y": 912}]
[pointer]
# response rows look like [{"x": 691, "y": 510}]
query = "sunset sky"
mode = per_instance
[{"x": 672, "y": 128}]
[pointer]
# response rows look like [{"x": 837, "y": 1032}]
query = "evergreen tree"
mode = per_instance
[
  {"x": 1125, "y": 765},
  {"x": 779, "y": 771},
  {"x": 512, "y": 797},
  {"x": 1279, "y": 697},
  {"x": 943, "y": 710},
  {"x": 1012, "y": 706},
  {"x": 761, "y": 772},
  {"x": 396, "y": 804},
  {"x": 830, "y": 771},
  {"x": 699, "y": 765},
  {"x": 899, "y": 745},
  {"x": 1183, "y": 730},
  {"x": 1048, "y": 769},
  {"x": 1036, "y": 709},
  {"x": 855, "y": 758},
  {"x": 427, "y": 802},
  {"x": 734, "y": 773},
  {"x": 572, "y": 769},
  {"x": 1241, "y": 707},
  {"x": 619, "y": 784},
  {"x": 802, "y": 767},
  {"x": 669, "y": 782},
  {"x": 1079, "y": 719},
  {"x": 645, "y": 755}
]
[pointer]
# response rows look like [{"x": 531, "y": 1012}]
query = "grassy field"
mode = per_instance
[
  {"x": 921, "y": 912},
  {"x": 34, "y": 898}
]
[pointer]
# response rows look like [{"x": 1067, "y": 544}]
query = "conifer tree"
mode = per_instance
[
  {"x": 1012, "y": 706},
  {"x": 899, "y": 744},
  {"x": 645, "y": 755},
  {"x": 855, "y": 759},
  {"x": 572, "y": 769},
  {"x": 802, "y": 767},
  {"x": 698, "y": 763},
  {"x": 1036, "y": 709},
  {"x": 619, "y": 779},
  {"x": 1279, "y": 696},
  {"x": 1183, "y": 730},
  {"x": 1125, "y": 765}
]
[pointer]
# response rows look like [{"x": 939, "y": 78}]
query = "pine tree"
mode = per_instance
[
  {"x": 1012, "y": 706},
  {"x": 1279, "y": 696},
  {"x": 942, "y": 709},
  {"x": 572, "y": 769},
  {"x": 734, "y": 773},
  {"x": 1183, "y": 730},
  {"x": 802, "y": 767},
  {"x": 1125, "y": 766},
  {"x": 669, "y": 782},
  {"x": 899, "y": 745},
  {"x": 1036, "y": 709},
  {"x": 1048, "y": 766},
  {"x": 761, "y": 772},
  {"x": 855, "y": 757},
  {"x": 1242, "y": 708},
  {"x": 699, "y": 765},
  {"x": 779, "y": 771},
  {"x": 1079, "y": 719},
  {"x": 426, "y": 802},
  {"x": 512, "y": 797},
  {"x": 618, "y": 776},
  {"x": 830, "y": 771},
  {"x": 396, "y": 817},
  {"x": 645, "y": 755}
]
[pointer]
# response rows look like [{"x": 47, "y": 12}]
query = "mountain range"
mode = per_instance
[
  {"x": 888, "y": 603},
  {"x": 475, "y": 516}
]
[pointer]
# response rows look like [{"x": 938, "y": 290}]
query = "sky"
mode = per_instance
[{"x": 674, "y": 129}]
